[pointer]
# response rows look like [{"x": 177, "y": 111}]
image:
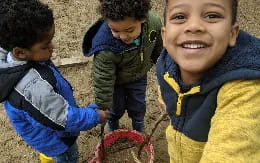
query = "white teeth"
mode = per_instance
[{"x": 194, "y": 46}]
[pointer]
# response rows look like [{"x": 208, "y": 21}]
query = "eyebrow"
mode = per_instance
[
  {"x": 130, "y": 28},
  {"x": 215, "y": 4},
  {"x": 207, "y": 4},
  {"x": 178, "y": 6}
]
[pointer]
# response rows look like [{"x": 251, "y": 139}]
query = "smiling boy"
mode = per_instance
[{"x": 209, "y": 77}]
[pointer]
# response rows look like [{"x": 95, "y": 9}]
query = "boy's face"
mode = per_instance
[
  {"x": 126, "y": 30},
  {"x": 41, "y": 51},
  {"x": 197, "y": 33}
]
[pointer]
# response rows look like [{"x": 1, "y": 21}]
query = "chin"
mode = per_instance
[
  {"x": 48, "y": 59},
  {"x": 127, "y": 42}
]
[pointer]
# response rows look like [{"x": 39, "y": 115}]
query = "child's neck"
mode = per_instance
[{"x": 190, "y": 78}]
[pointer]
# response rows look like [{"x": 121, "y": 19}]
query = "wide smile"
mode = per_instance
[
  {"x": 194, "y": 44},
  {"x": 193, "y": 47}
]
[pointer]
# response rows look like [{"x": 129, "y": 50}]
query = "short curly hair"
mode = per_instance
[
  {"x": 118, "y": 10},
  {"x": 23, "y": 23}
]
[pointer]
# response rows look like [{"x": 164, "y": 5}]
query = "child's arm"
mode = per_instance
[
  {"x": 81, "y": 119},
  {"x": 104, "y": 75},
  {"x": 44, "y": 106},
  {"x": 235, "y": 128},
  {"x": 74, "y": 119}
]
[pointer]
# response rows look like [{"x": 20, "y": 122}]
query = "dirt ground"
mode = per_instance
[{"x": 72, "y": 18}]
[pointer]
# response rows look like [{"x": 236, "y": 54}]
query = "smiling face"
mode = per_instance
[
  {"x": 126, "y": 30},
  {"x": 197, "y": 33}
]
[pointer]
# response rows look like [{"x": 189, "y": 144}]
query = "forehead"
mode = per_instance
[
  {"x": 225, "y": 4},
  {"x": 125, "y": 24},
  {"x": 48, "y": 35}
]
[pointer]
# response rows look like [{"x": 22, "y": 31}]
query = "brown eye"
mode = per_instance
[
  {"x": 115, "y": 31},
  {"x": 212, "y": 16},
  {"x": 130, "y": 31},
  {"x": 177, "y": 18}
]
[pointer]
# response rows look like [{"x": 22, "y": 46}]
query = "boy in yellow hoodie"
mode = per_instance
[{"x": 209, "y": 77}]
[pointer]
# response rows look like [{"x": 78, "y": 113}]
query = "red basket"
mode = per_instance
[{"x": 132, "y": 135}]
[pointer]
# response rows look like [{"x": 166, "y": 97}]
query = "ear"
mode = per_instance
[
  {"x": 19, "y": 53},
  {"x": 233, "y": 35},
  {"x": 163, "y": 35}
]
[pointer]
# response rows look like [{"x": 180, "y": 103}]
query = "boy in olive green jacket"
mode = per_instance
[{"x": 125, "y": 44}]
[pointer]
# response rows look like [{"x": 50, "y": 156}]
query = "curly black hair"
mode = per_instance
[
  {"x": 118, "y": 10},
  {"x": 234, "y": 10},
  {"x": 23, "y": 23}
]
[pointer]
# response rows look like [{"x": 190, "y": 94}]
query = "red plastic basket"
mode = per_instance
[{"x": 132, "y": 135}]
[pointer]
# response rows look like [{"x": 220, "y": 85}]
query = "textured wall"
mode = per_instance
[{"x": 249, "y": 16}]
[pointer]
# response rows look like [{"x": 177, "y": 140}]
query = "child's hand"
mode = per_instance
[{"x": 103, "y": 115}]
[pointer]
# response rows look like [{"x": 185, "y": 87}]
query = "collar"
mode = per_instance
[{"x": 9, "y": 59}]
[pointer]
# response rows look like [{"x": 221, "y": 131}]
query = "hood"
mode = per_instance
[
  {"x": 10, "y": 74},
  {"x": 89, "y": 35},
  {"x": 244, "y": 55},
  {"x": 239, "y": 62},
  {"x": 99, "y": 38}
]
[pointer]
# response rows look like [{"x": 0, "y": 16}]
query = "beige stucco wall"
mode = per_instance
[{"x": 249, "y": 16}]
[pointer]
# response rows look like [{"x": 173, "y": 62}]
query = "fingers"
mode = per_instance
[{"x": 104, "y": 114}]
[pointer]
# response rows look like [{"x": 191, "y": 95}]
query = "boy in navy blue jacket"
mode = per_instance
[
  {"x": 37, "y": 99},
  {"x": 209, "y": 77}
]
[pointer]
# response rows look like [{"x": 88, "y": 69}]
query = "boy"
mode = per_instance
[
  {"x": 124, "y": 46},
  {"x": 38, "y": 100},
  {"x": 209, "y": 77}
]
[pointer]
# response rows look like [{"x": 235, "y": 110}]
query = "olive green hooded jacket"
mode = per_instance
[{"x": 115, "y": 62}]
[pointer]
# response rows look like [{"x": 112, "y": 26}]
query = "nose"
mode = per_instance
[
  {"x": 116, "y": 35},
  {"x": 194, "y": 25},
  {"x": 123, "y": 36}
]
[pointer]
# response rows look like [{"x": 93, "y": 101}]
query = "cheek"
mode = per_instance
[
  {"x": 222, "y": 36},
  {"x": 46, "y": 53},
  {"x": 222, "y": 42},
  {"x": 169, "y": 40},
  {"x": 115, "y": 35},
  {"x": 136, "y": 33}
]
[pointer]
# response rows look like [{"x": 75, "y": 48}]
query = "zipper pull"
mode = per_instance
[
  {"x": 142, "y": 56},
  {"x": 179, "y": 103}
]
